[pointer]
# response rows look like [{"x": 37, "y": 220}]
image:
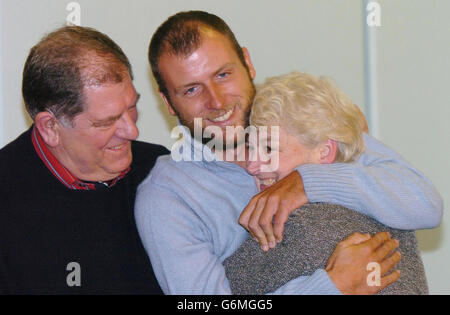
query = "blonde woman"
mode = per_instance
[{"x": 318, "y": 124}]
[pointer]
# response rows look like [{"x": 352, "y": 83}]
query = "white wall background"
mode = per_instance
[
  {"x": 413, "y": 52},
  {"x": 277, "y": 41},
  {"x": 323, "y": 37}
]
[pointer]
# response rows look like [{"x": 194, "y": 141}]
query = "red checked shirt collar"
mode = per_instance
[{"x": 60, "y": 172}]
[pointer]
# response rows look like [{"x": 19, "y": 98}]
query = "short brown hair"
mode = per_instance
[
  {"x": 180, "y": 35},
  {"x": 66, "y": 61}
]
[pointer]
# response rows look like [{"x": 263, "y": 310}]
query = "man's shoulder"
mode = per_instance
[
  {"x": 144, "y": 157},
  {"x": 166, "y": 166},
  {"x": 179, "y": 177},
  {"x": 167, "y": 183},
  {"x": 141, "y": 148},
  {"x": 145, "y": 153},
  {"x": 18, "y": 161},
  {"x": 17, "y": 149}
]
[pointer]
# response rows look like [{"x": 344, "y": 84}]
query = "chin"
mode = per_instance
[{"x": 120, "y": 166}]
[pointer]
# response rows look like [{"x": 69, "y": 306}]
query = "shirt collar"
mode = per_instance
[
  {"x": 201, "y": 152},
  {"x": 63, "y": 174}
]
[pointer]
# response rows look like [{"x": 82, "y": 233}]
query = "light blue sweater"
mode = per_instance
[{"x": 187, "y": 212}]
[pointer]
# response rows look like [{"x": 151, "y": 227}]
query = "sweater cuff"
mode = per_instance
[
  {"x": 333, "y": 183},
  {"x": 319, "y": 283}
]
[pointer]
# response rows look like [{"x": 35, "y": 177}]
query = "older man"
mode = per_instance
[
  {"x": 68, "y": 183},
  {"x": 187, "y": 212}
]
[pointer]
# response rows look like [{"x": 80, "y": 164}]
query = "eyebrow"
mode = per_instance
[
  {"x": 180, "y": 89},
  {"x": 110, "y": 119},
  {"x": 227, "y": 65}
]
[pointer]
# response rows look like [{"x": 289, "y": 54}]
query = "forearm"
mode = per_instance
[
  {"x": 206, "y": 275},
  {"x": 381, "y": 184},
  {"x": 319, "y": 283},
  {"x": 182, "y": 252},
  {"x": 184, "y": 264}
]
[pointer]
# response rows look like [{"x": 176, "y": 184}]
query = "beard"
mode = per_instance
[{"x": 243, "y": 121}]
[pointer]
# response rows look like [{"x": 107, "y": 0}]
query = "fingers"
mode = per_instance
[
  {"x": 254, "y": 226},
  {"x": 389, "y": 263},
  {"x": 389, "y": 279},
  {"x": 246, "y": 213},
  {"x": 244, "y": 220},
  {"x": 386, "y": 249},
  {"x": 265, "y": 220},
  {"x": 378, "y": 239},
  {"x": 257, "y": 219},
  {"x": 279, "y": 200},
  {"x": 281, "y": 217},
  {"x": 331, "y": 261}
]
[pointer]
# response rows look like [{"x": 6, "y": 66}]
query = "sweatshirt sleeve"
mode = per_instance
[
  {"x": 381, "y": 184},
  {"x": 182, "y": 252}
]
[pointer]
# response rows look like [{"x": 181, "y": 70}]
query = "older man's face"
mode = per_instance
[
  {"x": 98, "y": 147},
  {"x": 211, "y": 83}
]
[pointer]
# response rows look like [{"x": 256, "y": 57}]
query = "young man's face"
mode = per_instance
[
  {"x": 211, "y": 83},
  {"x": 98, "y": 147}
]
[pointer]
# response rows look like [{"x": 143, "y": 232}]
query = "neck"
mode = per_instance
[{"x": 82, "y": 174}]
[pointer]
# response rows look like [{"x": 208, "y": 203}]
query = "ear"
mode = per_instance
[
  {"x": 249, "y": 63},
  {"x": 362, "y": 121},
  {"x": 328, "y": 151},
  {"x": 48, "y": 127},
  {"x": 168, "y": 105}
]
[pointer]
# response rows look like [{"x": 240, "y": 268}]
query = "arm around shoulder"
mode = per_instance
[{"x": 380, "y": 184}]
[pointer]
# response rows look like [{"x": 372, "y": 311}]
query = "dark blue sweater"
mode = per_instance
[{"x": 44, "y": 226}]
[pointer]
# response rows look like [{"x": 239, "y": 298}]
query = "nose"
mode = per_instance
[
  {"x": 128, "y": 129},
  {"x": 216, "y": 97}
]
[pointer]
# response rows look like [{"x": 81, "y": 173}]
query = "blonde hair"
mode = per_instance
[{"x": 311, "y": 109}]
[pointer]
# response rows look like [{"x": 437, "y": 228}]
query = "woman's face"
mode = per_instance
[{"x": 289, "y": 151}]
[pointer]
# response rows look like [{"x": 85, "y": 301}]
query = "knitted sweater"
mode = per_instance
[
  {"x": 310, "y": 237},
  {"x": 45, "y": 226}
]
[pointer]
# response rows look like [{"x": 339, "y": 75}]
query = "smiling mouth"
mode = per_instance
[
  {"x": 266, "y": 183},
  {"x": 224, "y": 117},
  {"x": 118, "y": 147}
]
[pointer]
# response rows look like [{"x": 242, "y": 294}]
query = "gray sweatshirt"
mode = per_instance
[{"x": 311, "y": 235}]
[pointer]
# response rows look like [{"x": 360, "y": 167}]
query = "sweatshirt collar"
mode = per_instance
[{"x": 200, "y": 152}]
